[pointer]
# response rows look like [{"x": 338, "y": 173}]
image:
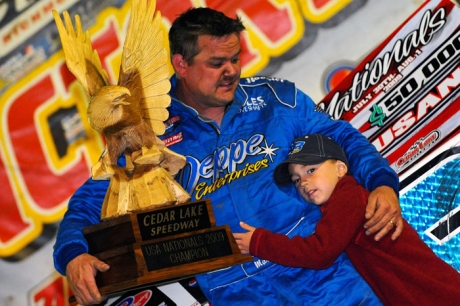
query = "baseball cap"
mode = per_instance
[{"x": 308, "y": 150}]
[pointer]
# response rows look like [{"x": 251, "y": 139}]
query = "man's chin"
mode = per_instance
[{"x": 226, "y": 97}]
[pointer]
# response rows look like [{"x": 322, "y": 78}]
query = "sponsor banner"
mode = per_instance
[
  {"x": 29, "y": 36},
  {"x": 404, "y": 96}
]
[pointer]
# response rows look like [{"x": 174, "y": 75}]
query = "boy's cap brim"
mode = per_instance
[
  {"x": 281, "y": 174},
  {"x": 308, "y": 150}
]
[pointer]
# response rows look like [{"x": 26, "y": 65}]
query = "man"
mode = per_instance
[{"x": 233, "y": 133}]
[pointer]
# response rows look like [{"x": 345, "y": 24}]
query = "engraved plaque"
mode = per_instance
[{"x": 160, "y": 246}]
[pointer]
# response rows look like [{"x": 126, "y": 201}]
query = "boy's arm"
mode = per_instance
[
  {"x": 341, "y": 221},
  {"x": 243, "y": 240}
]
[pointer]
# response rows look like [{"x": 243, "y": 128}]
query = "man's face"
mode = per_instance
[{"x": 211, "y": 80}]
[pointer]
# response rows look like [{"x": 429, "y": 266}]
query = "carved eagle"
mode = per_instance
[{"x": 131, "y": 113}]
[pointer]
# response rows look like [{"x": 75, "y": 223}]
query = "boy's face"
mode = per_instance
[{"x": 315, "y": 183}]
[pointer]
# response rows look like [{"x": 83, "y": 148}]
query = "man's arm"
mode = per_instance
[
  {"x": 383, "y": 220},
  {"x": 366, "y": 164},
  {"x": 70, "y": 250},
  {"x": 373, "y": 171}
]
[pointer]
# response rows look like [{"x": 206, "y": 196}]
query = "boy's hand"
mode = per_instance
[
  {"x": 243, "y": 240},
  {"x": 384, "y": 213}
]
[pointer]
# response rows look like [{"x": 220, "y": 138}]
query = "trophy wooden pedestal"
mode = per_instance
[{"x": 160, "y": 246}]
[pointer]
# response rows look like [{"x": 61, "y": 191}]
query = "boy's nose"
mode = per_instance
[{"x": 304, "y": 183}]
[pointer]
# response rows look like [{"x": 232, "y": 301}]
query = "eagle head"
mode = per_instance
[{"x": 106, "y": 109}]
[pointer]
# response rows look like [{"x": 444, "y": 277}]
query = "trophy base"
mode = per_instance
[
  {"x": 168, "y": 260},
  {"x": 161, "y": 246}
]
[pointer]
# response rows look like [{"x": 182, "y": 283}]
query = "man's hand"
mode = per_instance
[
  {"x": 384, "y": 213},
  {"x": 81, "y": 272},
  {"x": 243, "y": 240}
]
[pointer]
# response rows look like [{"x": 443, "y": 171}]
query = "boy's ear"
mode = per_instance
[{"x": 342, "y": 168}]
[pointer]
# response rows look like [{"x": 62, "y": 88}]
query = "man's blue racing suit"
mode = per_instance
[{"x": 232, "y": 164}]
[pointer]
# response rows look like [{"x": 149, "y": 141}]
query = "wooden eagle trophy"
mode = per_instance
[
  {"x": 149, "y": 233},
  {"x": 130, "y": 114}
]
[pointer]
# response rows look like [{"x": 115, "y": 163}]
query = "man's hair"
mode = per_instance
[{"x": 196, "y": 22}]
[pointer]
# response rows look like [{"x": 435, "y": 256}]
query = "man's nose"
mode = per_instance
[{"x": 231, "y": 68}]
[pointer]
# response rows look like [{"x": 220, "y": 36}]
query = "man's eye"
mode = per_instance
[{"x": 216, "y": 65}]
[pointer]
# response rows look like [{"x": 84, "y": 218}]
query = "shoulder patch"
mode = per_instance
[
  {"x": 285, "y": 91},
  {"x": 169, "y": 141},
  {"x": 171, "y": 123}
]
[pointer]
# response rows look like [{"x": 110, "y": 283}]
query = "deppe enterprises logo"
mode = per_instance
[{"x": 222, "y": 167}]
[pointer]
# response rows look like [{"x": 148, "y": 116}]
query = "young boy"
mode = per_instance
[{"x": 401, "y": 272}]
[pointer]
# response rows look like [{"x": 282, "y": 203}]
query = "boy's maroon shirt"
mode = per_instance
[{"x": 401, "y": 272}]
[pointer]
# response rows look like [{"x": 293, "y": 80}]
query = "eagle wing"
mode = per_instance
[
  {"x": 144, "y": 70},
  {"x": 81, "y": 59}
]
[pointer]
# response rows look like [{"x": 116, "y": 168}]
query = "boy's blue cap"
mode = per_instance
[{"x": 308, "y": 150}]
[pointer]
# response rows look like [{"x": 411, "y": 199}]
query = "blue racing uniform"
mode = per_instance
[{"x": 232, "y": 164}]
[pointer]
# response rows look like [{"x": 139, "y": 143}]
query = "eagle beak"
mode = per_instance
[
  {"x": 120, "y": 101},
  {"x": 119, "y": 96}
]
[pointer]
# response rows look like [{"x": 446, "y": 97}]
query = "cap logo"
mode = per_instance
[{"x": 296, "y": 147}]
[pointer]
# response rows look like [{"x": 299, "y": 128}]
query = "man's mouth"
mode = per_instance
[{"x": 226, "y": 84}]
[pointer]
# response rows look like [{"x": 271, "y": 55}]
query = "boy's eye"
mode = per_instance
[
  {"x": 295, "y": 181},
  {"x": 311, "y": 170}
]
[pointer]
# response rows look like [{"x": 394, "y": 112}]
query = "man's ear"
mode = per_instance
[
  {"x": 179, "y": 64},
  {"x": 342, "y": 168}
]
